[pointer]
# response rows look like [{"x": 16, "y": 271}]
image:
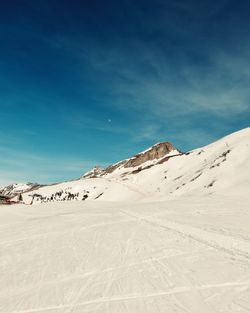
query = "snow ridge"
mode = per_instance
[{"x": 162, "y": 172}]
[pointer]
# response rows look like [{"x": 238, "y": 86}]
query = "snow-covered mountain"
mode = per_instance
[
  {"x": 18, "y": 188},
  {"x": 155, "y": 155},
  {"x": 162, "y": 172}
]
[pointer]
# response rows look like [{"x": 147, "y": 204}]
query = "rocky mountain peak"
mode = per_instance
[{"x": 155, "y": 152}]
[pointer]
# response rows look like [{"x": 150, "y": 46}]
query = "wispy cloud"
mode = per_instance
[
  {"x": 142, "y": 81},
  {"x": 153, "y": 86},
  {"x": 19, "y": 166}
]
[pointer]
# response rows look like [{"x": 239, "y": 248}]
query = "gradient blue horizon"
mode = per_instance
[{"x": 86, "y": 83}]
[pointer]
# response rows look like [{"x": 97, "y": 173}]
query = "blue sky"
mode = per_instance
[{"x": 86, "y": 83}]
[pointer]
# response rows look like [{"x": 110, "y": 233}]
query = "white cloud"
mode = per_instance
[{"x": 140, "y": 79}]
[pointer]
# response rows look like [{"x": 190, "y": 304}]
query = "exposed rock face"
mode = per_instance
[
  {"x": 156, "y": 152},
  {"x": 112, "y": 168}
]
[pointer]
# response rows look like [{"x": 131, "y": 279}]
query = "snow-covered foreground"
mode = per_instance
[{"x": 183, "y": 255}]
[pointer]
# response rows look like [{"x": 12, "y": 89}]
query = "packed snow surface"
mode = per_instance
[{"x": 185, "y": 255}]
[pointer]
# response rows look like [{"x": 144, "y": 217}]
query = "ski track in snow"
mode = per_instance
[
  {"x": 139, "y": 296},
  {"x": 118, "y": 257},
  {"x": 217, "y": 241}
]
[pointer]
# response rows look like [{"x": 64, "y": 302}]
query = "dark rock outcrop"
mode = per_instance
[{"x": 156, "y": 152}]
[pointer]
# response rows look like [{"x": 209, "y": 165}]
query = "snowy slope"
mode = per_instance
[
  {"x": 187, "y": 255},
  {"x": 15, "y": 189},
  {"x": 221, "y": 167}
]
